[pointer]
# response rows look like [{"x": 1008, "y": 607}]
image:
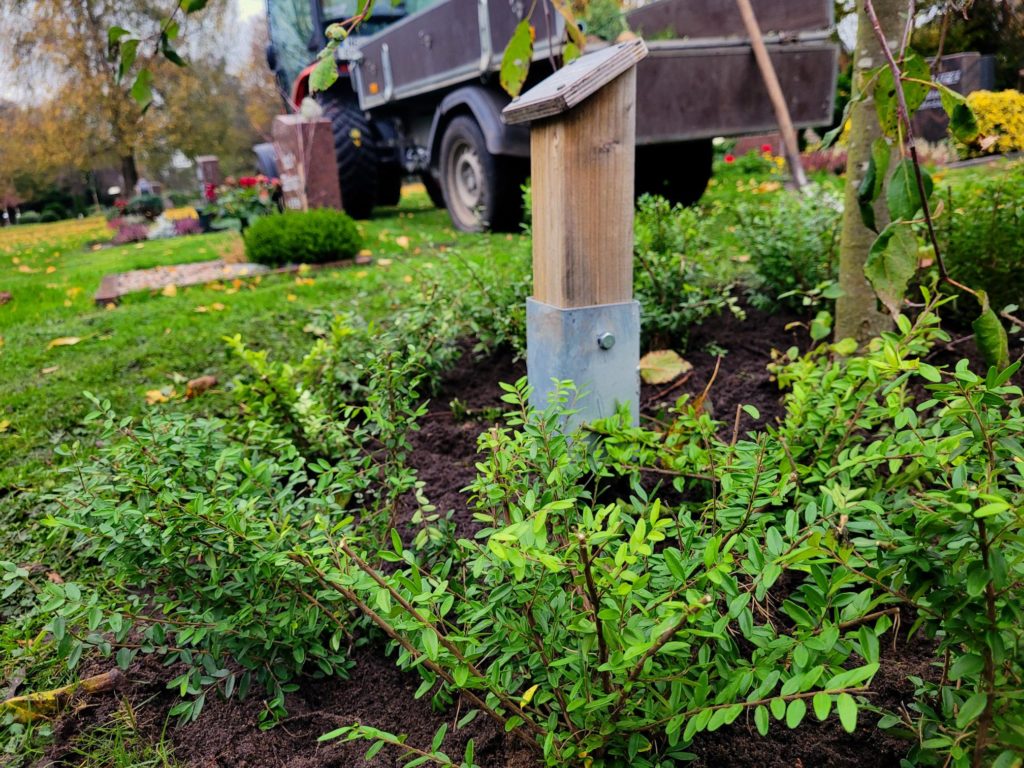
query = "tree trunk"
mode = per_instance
[
  {"x": 129, "y": 175},
  {"x": 857, "y": 314}
]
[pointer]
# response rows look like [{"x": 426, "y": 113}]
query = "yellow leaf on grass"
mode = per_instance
[
  {"x": 63, "y": 341},
  {"x": 305, "y": 281},
  {"x": 51, "y": 269},
  {"x": 169, "y": 290},
  {"x": 291, "y": 297},
  {"x": 154, "y": 396},
  {"x": 50, "y": 369},
  {"x": 384, "y": 262},
  {"x": 201, "y": 308},
  {"x": 26, "y": 269},
  {"x": 402, "y": 241},
  {"x": 4, "y": 425},
  {"x": 662, "y": 366},
  {"x": 217, "y": 307}
]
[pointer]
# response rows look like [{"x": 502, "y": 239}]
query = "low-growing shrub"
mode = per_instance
[
  {"x": 677, "y": 275},
  {"x": 187, "y": 227},
  {"x": 981, "y": 235},
  {"x": 129, "y": 229},
  {"x": 1000, "y": 117},
  {"x": 311, "y": 237},
  {"x": 147, "y": 206},
  {"x": 793, "y": 244},
  {"x": 54, "y": 212},
  {"x": 179, "y": 199},
  {"x": 30, "y": 217}
]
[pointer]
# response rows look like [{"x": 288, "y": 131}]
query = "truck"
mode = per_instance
[{"x": 419, "y": 92}]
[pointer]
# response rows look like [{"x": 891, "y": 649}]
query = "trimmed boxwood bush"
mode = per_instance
[
  {"x": 312, "y": 237},
  {"x": 30, "y": 217},
  {"x": 149, "y": 206}
]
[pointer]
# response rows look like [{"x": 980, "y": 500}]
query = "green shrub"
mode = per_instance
[
  {"x": 312, "y": 237},
  {"x": 54, "y": 212},
  {"x": 30, "y": 217},
  {"x": 981, "y": 236},
  {"x": 148, "y": 206},
  {"x": 793, "y": 244},
  {"x": 179, "y": 199},
  {"x": 678, "y": 277}
]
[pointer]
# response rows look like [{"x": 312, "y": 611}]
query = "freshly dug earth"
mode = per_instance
[{"x": 378, "y": 694}]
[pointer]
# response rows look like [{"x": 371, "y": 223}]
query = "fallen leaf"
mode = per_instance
[
  {"x": 199, "y": 385},
  {"x": 5, "y": 296},
  {"x": 217, "y": 307},
  {"x": 26, "y": 269},
  {"x": 154, "y": 396},
  {"x": 305, "y": 281},
  {"x": 402, "y": 241},
  {"x": 201, "y": 308},
  {"x": 139, "y": 246},
  {"x": 50, "y": 369},
  {"x": 15, "y": 260},
  {"x": 384, "y": 262},
  {"x": 407, "y": 279},
  {"x": 4, "y": 425},
  {"x": 73, "y": 291},
  {"x": 111, "y": 305},
  {"x": 291, "y": 297},
  {"x": 54, "y": 578},
  {"x": 63, "y": 341},
  {"x": 51, "y": 269},
  {"x": 169, "y": 290},
  {"x": 662, "y": 366}
]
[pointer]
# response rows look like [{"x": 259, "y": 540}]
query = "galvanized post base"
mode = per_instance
[{"x": 598, "y": 348}]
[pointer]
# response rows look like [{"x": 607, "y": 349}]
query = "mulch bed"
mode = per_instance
[{"x": 378, "y": 694}]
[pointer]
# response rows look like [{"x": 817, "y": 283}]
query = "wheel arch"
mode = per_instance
[{"x": 484, "y": 105}]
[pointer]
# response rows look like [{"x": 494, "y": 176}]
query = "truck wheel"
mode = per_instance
[
  {"x": 355, "y": 153},
  {"x": 679, "y": 172},
  {"x": 433, "y": 189},
  {"x": 389, "y": 185},
  {"x": 481, "y": 190}
]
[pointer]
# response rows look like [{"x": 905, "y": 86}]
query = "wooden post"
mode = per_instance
[
  {"x": 771, "y": 82},
  {"x": 582, "y": 322}
]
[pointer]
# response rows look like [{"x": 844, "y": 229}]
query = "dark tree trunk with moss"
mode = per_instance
[{"x": 857, "y": 313}]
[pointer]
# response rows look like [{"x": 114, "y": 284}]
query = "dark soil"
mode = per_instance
[{"x": 378, "y": 694}]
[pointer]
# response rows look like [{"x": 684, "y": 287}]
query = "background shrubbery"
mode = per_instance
[
  {"x": 999, "y": 114},
  {"x": 312, "y": 237},
  {"x": 982, "y": 237}
]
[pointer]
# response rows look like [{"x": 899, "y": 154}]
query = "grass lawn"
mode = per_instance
[{"x": 153, "y": 341}]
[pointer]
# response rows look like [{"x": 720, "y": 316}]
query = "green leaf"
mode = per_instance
[
  {"x": 761, "y": 719},
  {"x": 970, "y": 710},
  {"x": 324, "y": 74},
  {"x": 846, "y": 705},
  {"x": 821, "y": 325},
  {"x": 429, "y": 639},
  {"x": 570, "y": 53},
  {"x": 795, "y": 713},
  {"x": 963, "y": 123},
  {"x": 904, "y": 195},
  {"x": 886, "y": 103},
  {"x": 968, "y": 665},
  {"x": 142, "y": 89},
  {"x": 822, "y": 704},
  {"x": 129, "y": 49},
  {"x": 990, "y": 335},
  {"x": 873, "y": 182},
  {"x": 515, "y": 63},
  {"x": 892, "y": 261},
  {"x": 191, "y": 6},
  {"x": 169, "y": 53}
]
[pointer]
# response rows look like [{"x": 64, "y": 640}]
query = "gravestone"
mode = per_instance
[
  {"x": 582, "y": 322},
  {"x": 208, "y": 170},
  {"x": 306, "y": 162}
]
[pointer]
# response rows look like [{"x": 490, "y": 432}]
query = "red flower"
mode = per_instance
[
  {"x": 210, "y": 192},
  {"x": 766, "y": 147},
  {"x": 275, "y": 182},
  {"x": 248, "y": 181},
  {"x": 730, "y": 159}
]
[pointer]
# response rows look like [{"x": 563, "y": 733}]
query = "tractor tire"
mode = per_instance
[
  {"x": 481, "y": 191},
  {"x": 355, "y": 153},
  {"x": 679, "y": 172},
  {"x": 433, "y": 189},
  {"x": 389, "y": 185}
]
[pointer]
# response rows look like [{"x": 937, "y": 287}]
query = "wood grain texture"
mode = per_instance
[
  {"x": 582, "y": 170},
  {"x": 573, "y": 83}
]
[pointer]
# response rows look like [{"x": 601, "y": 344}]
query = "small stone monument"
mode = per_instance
[
  {"x": 582, "y": 321},
  {"x": 306, "y": 163},
  {"x": 208, "y": 170}
]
